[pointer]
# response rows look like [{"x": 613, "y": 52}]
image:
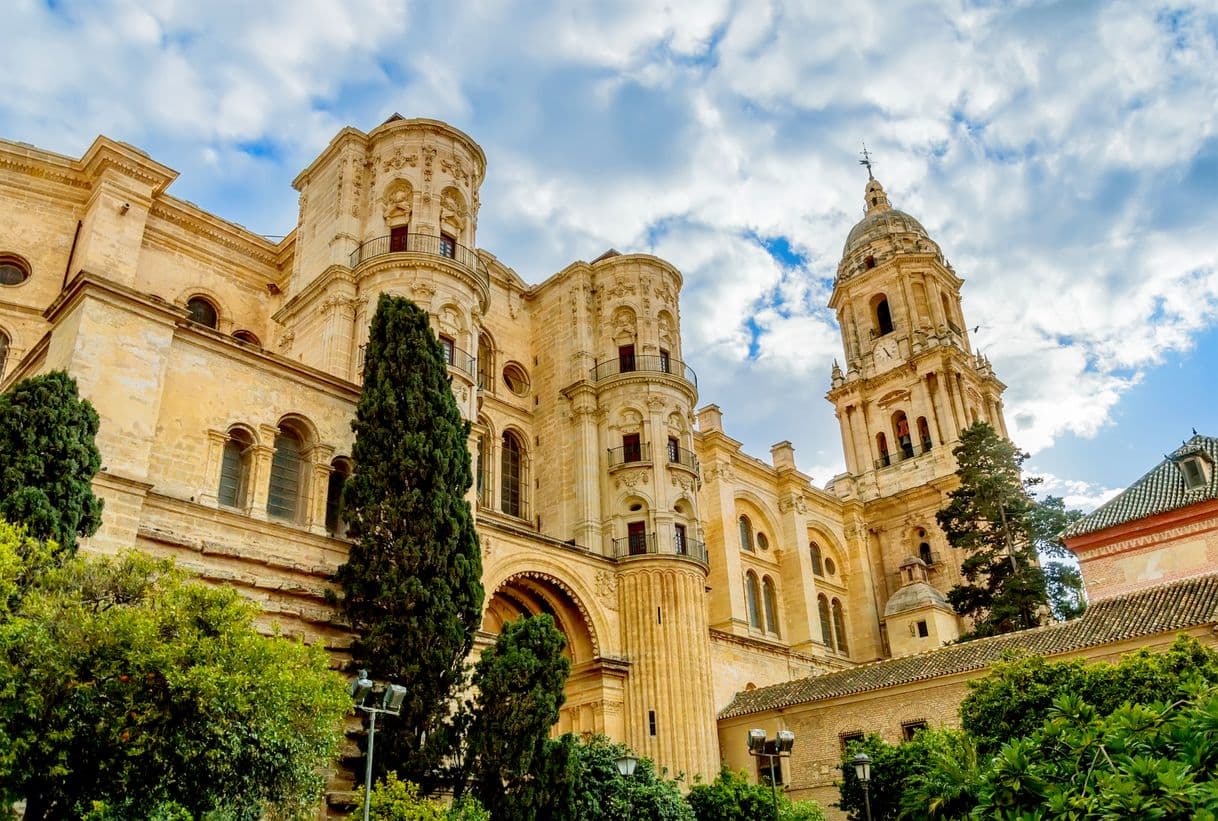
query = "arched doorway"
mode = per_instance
[{"x": 595, "y": 688}]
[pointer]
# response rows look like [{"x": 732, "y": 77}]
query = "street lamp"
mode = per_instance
[
  {"x": 625, "y": 766},
  {"x": 780, "y": 747},
  {"x": 364, "y": 694},
  {"x": 862, "y": 769}
]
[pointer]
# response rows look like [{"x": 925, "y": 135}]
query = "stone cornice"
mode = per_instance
[
  {"x": 34, "y": 162},
  {"x": 763, "y": 645},
  {"x": 214, "y": 229},
  {"x": 337, "y": 143},
  {"x": 106, "y": 154},
  {"x": 303, "y": 299}
]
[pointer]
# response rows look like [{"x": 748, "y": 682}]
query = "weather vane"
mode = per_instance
[{"x": 866, "y": 161}]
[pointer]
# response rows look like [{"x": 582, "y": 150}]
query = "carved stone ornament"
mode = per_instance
[
  {"x": 682, "y": 481},
  {"x": 620, "y": 288},
  {"x": 398, "y": 202},
  {"x": 606, "y": 587},
  {"x": 422, "y": 290},
  {"x": 721, "y": 470},
  {"x": 286, "y": 339},
  {"x": 632, "y": 478},
  {"x": 656, "y": 403},
  {"x": 397, "y": 159},
  {"x": 456, "y": 169},
  {"x": 793, "y": 503},
  {"x": 488, "y": 547}
]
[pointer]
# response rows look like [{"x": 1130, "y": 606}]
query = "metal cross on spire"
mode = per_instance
[{"x": 866, "y": 161}]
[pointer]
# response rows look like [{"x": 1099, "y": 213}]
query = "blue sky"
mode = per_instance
[{"x": 1064, "y": 155}]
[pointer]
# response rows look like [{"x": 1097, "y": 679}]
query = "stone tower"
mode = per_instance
[{"x": 911, "y": 383}]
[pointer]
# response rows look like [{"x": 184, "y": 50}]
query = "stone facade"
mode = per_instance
[{"x": 682, "y": 570}]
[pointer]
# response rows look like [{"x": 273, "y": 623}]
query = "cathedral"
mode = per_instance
[{"x": 610, "y": 494}]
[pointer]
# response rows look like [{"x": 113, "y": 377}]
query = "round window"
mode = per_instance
[
  {"x": 516, "y": 379},
  {"x": 762, "y": 541},
  {"x": 830, "y": 567},
  {"x": 13, "y": 270}
]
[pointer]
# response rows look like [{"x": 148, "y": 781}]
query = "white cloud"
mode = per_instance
[{"x": 1047, "y": 147}]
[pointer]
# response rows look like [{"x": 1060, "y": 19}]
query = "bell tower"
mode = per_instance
[{"x": 911, "y": 382}]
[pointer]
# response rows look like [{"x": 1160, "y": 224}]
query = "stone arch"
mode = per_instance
[
  {"x": 624, "y": 325},
  {"x": 302, "y": 426},
  {"x": 666, "y": 328},
  {"x": 450, "y": 321},
  {"x": 536, "y": 591},
  {"x": 763, "y": 513},
  {"x": 630, "y": 419},
  {"x": 676, "y": 422},
  {"x": 397, "y": 203},
  {"x": 830, "y": 547},
  {"x": 224, "y": 316},
  {"x": 454, "y": 214}
]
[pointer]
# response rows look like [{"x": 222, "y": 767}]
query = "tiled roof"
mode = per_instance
[
  {"x": 1160, "y": 490},
  {"x": 1175, "y": 606}
]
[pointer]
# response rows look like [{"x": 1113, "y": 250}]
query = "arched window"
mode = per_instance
[
  {"x": 202, "y": 311},
  {"x": 4, "y": 342},
  {"x": 771, "y": 606},
  {"x": 925, "y": 553},
  {"x": 752, "y": 594},
  {"x": 746, "y": 533},
  {"x": 486, "y": 364},
  {"x": 818, "y": 566},
  {"x": 234, "y": 469},
  {"x": 924, "y": 434},
  {"x": 900, "y": 427},
  {"x": 283, "y": 497},
  {"x": 881, "y": 314},
  {"x": 511, "y": 476},
  {"x": 839, "y": 628},
  {"x": 247, "y": 336},
  {"x": 881, "y": 445},
  {"x": 826, "y": 626},
  {"x": 339, "y": 474}
]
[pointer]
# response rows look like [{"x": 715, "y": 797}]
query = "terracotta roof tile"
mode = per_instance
[
  {"x": 1160, "y": 490},
  {"x": 1169, "y": 607}
]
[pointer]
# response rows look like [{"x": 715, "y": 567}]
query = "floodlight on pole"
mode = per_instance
[
  {"x": 362, "y": 692},
  {"x": 780, "y": 747}
]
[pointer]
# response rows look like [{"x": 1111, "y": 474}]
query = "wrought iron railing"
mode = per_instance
[
  {"x": 644, "y": 363},
  {"x": 461, "y": 360},
  {"x": 630, "y": 454},
  {"x": 636, "y": 544},
  {"x": 643, "y": 544},
  {"x": 436, "y": 246},
  {"x": 685, "y": 458}
]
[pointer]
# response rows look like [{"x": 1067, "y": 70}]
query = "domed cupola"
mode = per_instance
[{"x": 882, "y": 233}]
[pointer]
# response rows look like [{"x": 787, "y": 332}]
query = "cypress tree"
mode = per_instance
[
  {"x": 48, "y": 458},
  {"x": 991, "y": 515},
  {"x": 520, "y": 682},
  {"x": 412, "y": 584}
]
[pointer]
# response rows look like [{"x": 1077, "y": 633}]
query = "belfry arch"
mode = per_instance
[{"x": 594, "y": 691}]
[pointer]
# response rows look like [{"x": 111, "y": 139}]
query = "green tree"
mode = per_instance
[
  {"x": 48, "y": 459},
  {"x": 1063, "y": 581},
  {"x": 411, "y": 587},
  {"x": 582, "y": 781},
  {"x": 520, "y": 682},
  {"x": 733, "y": 797},
  {"x": 891, "y": 767},
  {"x": 1156, "y": 760},
  {"x": 1015, "y": 697},
  {"x": 990, "y": 515},
  {"x": 126, "y": 690},
  {"x": 397, "y": 800}
]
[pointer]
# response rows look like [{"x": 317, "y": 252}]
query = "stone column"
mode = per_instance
[
  {"x": 209, "y": 493},
  {"x": 318, "y": 476}
]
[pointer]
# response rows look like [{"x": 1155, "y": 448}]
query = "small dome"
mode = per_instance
[
  {"x": 913, "y": 597},
  {"x": 882, "y": 230}
]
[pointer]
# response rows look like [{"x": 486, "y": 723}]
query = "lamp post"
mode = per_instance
[
  {"x": 780, "y": 747},
  {"x": 625, "y": 766},
  {"x": 364, "y": 694},
  {"x": 862, "y": 769}
]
